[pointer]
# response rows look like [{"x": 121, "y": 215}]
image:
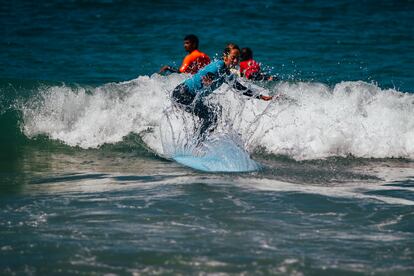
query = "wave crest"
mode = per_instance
[{"x": 307, "y": 121}]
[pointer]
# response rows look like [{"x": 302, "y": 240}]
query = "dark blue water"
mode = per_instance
[
  {"x": 104, "y": 41},
  {"x": 83, "y": 186}
]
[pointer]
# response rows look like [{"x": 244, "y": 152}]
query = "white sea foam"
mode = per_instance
[{"x": 309, "y": 121}]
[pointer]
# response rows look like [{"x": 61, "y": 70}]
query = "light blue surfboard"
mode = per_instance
[{"x": 219, "y": 155}]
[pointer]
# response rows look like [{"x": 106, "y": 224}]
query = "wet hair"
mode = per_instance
[
  {"x": 246, "y": 54},
  {"x": 232, "y": 45},
  {"x": 228, "y": 49},
  {"x": 193, "y": 39}
]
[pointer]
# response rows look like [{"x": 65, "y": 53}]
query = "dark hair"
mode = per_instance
[
  {"x": 246, "y": 54},
  {"x": 232, "y": 45},
  {"x": 193, "y": 39},
  {"x": 228, "y": 49}
]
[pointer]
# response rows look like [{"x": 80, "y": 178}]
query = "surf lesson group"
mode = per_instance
[{"x": 207, "y": 76}]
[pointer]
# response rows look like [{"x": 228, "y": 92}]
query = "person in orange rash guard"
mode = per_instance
[{"x": 194, "y": 61}]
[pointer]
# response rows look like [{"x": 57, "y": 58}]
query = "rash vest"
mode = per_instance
[
  {"x": 194, "y": 62},
  {"x": 249, "y": 67}
]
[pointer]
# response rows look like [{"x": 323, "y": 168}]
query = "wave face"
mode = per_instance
[{"x": 306, "y": 121}]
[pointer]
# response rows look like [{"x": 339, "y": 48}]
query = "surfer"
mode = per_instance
[
  {"x": 194, "y": 61},
  {"x": 190, "y": 94},
  {"x": 250, "y": 69},
  {"x": 234, "y": 70}
]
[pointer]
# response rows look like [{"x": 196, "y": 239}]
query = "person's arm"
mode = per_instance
[
  {"x": 247, "y": 92},
  {"x": 183, "y": 68},
  {"x": 258, "y": 76},
  {"x": 169, "y": 68}
]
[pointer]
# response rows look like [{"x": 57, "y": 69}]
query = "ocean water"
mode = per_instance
[{"x": 87, "y": 184}]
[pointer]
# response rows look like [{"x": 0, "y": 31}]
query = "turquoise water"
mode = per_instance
[{"x": 86, "y": 182}]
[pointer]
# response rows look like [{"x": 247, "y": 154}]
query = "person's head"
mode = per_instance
[
  {"x": 232, "y": 45},
  {"x": 231, "y": 56},
  {"x": 190, "y": 43},
  {"x": 246, "y": 54}
]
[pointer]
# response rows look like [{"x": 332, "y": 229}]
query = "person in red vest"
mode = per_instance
[
  {"x": 249, "y": 68},
  {"x": 194, "y": 61}
]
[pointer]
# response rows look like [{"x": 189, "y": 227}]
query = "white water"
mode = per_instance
[{"x": 310, "y": 121}]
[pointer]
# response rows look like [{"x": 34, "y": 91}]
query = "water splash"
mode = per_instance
[{"x": 308, "y": 121}]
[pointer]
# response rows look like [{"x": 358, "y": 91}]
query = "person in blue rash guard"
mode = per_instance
[{"x": 190, "y": 94}]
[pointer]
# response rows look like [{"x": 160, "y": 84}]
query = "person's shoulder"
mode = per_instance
[
  {"x": 244, "y": 63},
  {"x": 213, "y": 67},
  {"x": 219, "y": 62},
  {"x": 254, "y": 62},
  {"x": 216, "y": 63},
  {"x": 188, "y": 58},
  {"x": 197, "y": 53},
  {"x": 251, "y": 63}
]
